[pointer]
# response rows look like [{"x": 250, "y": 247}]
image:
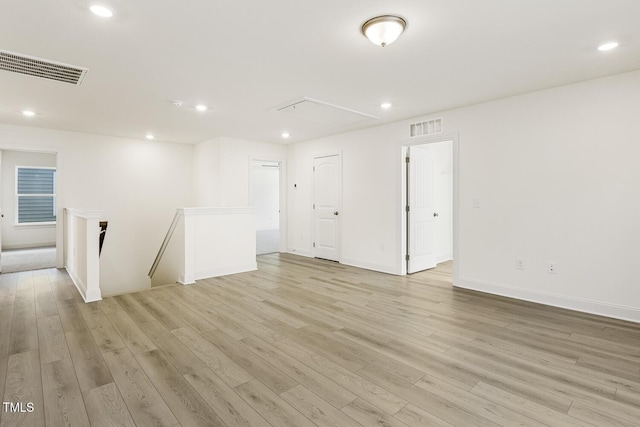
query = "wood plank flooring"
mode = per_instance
[{"x": 305, "y": 342}]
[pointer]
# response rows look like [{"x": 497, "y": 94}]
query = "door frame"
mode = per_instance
[
  {"x": 282, "y": 194},
  {"x": 60, "y": 242},
  {"x": 313, "y": 198},
  {"x": 401, "y": 264}
]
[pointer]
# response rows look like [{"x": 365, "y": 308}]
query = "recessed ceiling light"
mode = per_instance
[
  {"x": 285, "y": 134},
  {"x": 385, "y": 105},
  {"x": 28, "y": 113},
  {"x": 101, "y": 11},
  {"x": 607, "y": 46},
  {"x": 201, "y": 107},
  {"x": 149, "y": 136}
]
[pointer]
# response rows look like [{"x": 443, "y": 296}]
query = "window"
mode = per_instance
[{"x": 36, "y": 195}]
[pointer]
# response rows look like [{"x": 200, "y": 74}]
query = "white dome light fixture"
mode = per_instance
[
  {"x": 101, "y": 11},
  {"x": 383, "y": 30},
  {"x": 607, "y": 46}
]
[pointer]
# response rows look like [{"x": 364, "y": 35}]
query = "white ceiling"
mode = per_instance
[{"x": 243, "y": 58}]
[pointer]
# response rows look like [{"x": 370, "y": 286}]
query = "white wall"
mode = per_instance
[
  {"x": 222, "y": 169},
  {"x": 370, "y": 198},
  {"x": 555, "y": 172},
  {"x": 138, "y": 185},
  {"x": 22, "y": 236},
  {"x": 206, "y": 173}
]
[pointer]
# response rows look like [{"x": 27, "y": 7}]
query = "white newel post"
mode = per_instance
[{"x": 189, "y": 276}]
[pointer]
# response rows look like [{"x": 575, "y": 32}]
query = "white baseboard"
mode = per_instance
[
  {"x": 36, "y": 245},
  {"x": 224, "y": 271},
  {"x": 586, "y": 306},
  {"x": 299, "y": 252},
  {"x": 82, "y": 288},
  {"x": 443, "y": 258},
  {"x": 370, "y": 266}
]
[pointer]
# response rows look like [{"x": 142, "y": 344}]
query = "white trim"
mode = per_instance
[
  {"x": 82, "y": 287},
  {"x": 35, "y": 224},
  {"x": 86, "y": 214},
  {"x": 225, "y": 271},
  {"x": 631, "y": 314},
  {"x": 37, "y": 245},
  {"x": 88, "y": 295},
  {"x": 282, "y": 194},
  {"x": 369, "y": 266},
  {"x": 216, "y": 211},
  {"x": 186, "y": 280},
  {"x": 306, "y": 254},
  {"x": 17, "y": 196},
  {"x": 57, "y": 151}
]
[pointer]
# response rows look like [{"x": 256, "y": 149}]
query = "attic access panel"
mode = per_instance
[{"x": 323, "y": 112}]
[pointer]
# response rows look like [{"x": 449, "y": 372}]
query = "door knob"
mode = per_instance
[
  {"x": 435, "y": 214},
  {"x": 335, "y": 213}
]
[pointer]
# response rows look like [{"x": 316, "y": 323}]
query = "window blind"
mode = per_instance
[{"x": 36, "y": 195}]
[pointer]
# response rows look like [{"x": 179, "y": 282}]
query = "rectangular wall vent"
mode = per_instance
[
  {"x": 45, "y": 69},
  {"x": 430, "y": 127}
]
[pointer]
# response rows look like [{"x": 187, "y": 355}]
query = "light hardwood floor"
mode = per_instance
[{"x": 304, "y": 342}]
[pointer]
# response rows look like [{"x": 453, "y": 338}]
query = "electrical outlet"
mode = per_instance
[
  {"x": 519, "y": 264},
  {"x": 552, "y": 268}
]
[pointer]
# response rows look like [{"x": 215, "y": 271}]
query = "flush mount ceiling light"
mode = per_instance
[
  {"x": 385, "y": 105},
  {"x": 101, "y": 11},
  {"x": 285, "y": 135},
  {"x": 201, "y": 107},
  {"x": 383, "y": 30},
  {"x": 607, "y": 46},
  {"x": 149, "y": 136},
  {"x": 28, "y": 113}
]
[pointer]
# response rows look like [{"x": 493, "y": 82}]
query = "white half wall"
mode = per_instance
[
  {"x": 553, "y": 174},
  {"x": 137, "y": 184}
]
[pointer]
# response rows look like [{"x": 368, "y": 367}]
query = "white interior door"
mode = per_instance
[
  {"x": 421, "y": 215},
  {"x": 327, "y": 198}
]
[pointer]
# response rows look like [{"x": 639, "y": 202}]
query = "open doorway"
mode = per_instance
[
  {"x": 265, "y": 197},
  {"x": 428, "y": 211},
  {"x": 28, "y": 210}
]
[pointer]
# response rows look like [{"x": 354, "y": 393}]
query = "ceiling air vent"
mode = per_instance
[
  {"x": 430, "y": 127},
  {"x": 42, "y": 68}
]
